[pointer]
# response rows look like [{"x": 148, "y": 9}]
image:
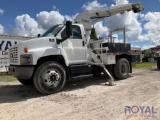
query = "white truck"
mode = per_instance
[{"x": 64, "y": 52}]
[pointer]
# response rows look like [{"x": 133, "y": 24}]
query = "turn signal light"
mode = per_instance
[{"x": 25, "y": 50}]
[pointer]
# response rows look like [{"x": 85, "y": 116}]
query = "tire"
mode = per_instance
[
  {"x": 121, "y": 69},
  {"x": 96, "y": 71},
  {"x": 158, "y": 63},
  {"x": 26, "y": 82},
  {"x": 49, "y": 78}
]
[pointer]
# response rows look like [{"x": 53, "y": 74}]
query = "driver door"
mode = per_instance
[{"x": 74, "y": 47}]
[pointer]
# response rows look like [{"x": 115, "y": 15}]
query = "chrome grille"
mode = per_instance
[{"x": 13, "y": 55}]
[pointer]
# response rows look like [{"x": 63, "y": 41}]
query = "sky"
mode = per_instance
[{"x": 29, "y": 18}]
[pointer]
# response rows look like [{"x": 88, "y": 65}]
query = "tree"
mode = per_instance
[
  {"x": 93, "y": 34},
  {"x": 146, "y": 55}
]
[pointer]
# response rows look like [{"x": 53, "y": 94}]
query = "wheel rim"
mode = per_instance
[
  {"x": 52, "y": 78},
  {"x": 124, "y": 69}
]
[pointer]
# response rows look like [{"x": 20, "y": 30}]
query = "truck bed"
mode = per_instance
[{"x": 117, "y": 47}]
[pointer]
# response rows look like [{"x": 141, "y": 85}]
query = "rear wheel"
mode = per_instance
[
  {"x": 158, "y": 62},
  {"x": 121, "y": 69},
  {"x": 26, "y": 81},
  {"x": 50, "y": 77}
]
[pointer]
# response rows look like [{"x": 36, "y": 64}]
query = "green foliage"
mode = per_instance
[
  {"x": 144, "y": 65},
  {"x": 7, "y": 78},
  {"x": 147, "y": 55},
  {"x": 93, "y": 34},
  {"x": 143, "y": 51}
]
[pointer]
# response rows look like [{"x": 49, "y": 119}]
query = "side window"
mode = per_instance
[{"x": 76, "y": 33}]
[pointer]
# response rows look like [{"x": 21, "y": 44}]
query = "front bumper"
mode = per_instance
[{"x": 21, "y": 72}]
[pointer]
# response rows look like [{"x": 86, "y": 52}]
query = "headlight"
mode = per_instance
[{"x": 26, "y": 59}]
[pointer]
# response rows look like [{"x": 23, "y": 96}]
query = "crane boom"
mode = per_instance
[{"x": 90, "y": 17}]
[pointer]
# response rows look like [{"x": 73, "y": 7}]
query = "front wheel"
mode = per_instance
[
  {"x": 121, "y": 69},
  {"x": 50, "y": 77}
]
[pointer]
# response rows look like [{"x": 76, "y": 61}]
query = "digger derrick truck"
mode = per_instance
[{"x": 65, "y": 52}]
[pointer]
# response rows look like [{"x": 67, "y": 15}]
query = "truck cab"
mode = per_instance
[{"x": 26, "y": 57}]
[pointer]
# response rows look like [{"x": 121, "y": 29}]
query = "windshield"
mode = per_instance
[{"x": 53, "y": 31}]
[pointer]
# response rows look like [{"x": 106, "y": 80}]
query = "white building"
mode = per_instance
[{"x": 153, "y": 50}]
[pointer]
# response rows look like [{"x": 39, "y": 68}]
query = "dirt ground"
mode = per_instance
[{"x": 86, "y": 99}]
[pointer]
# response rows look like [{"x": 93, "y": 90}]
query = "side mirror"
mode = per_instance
[
  {"x": 39, "y": 35},
  {"x": 68, "y": 32},
  {"x": 68, "y": 28}
]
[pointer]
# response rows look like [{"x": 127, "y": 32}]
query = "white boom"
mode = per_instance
[{"x": 90, "y": 17}]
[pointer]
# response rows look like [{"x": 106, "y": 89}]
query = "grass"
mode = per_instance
[
  {"x": 7, "y": 78},
  {"x": 144, "y": 65}
]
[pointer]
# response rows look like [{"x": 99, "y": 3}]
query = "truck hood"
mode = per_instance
[
  {"x": 39, "y": 43},
  {"x": 37, "y": 47}
]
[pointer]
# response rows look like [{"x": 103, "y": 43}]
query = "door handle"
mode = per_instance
[
  {"x": 51, "y": 40},
  {"x": 83, "y": 43}
]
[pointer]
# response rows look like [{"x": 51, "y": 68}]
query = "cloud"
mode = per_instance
[
  {"x": 147, "y": 32},
  {"x": 28, "y": 26},
  {"x": 147, "y": 46},
  {"x": 128, "y": 20},
  {"x": 1, "y": 29},
  {"x": 48, "y": 19},
  {"x": 100, "y": 29},
  {"x": 93, "y": 5},
  {"x": 121, "y": 2},
  {"x": 1, "y": 12},
  {"x": 100, "y": 26},
  {"x": 25, "y": 25},
  {"x": 152, "y": 27},
  {"x": 71, "y": 18}
]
